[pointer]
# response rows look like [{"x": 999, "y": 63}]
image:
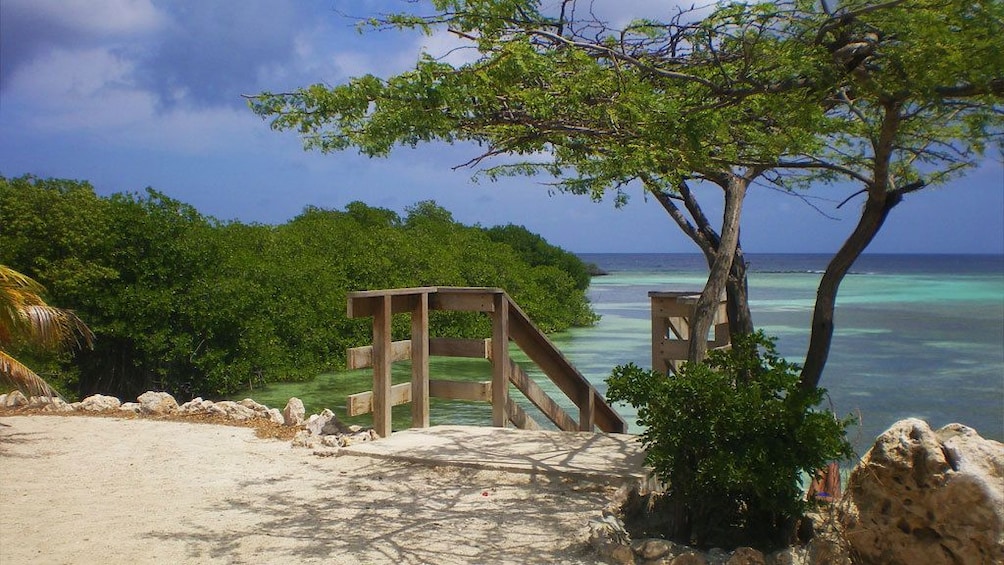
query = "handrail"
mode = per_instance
[{"x": 509, "y": 322}]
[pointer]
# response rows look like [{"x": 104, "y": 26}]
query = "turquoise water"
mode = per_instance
[{"x": 916, "y": 336}]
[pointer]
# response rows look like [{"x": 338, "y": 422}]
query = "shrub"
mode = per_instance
[{"x": 732, "y": 438}]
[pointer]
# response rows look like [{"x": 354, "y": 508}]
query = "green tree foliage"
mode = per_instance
[
  {"x": 895, "y": 96},
  {"x": 732, "y": 437},
  {"x": 535, "y": 250},
  {"x": 184, "y": 303}
]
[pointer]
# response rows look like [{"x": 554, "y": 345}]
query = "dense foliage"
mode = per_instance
[
  {"x": 184, "y": 303},
  {"x": 732, "y": 437}
]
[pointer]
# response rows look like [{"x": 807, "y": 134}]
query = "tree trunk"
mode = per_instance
[
  {"x": 737, "y": 296},
  {"x": 704, "y": 311},
  {"x": 874, "y": 214}
]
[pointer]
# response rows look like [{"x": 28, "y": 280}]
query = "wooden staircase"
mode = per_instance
[{"x": 509, "y": 323}]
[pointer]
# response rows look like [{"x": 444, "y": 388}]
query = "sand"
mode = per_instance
[{"x": 110, "y": 490}]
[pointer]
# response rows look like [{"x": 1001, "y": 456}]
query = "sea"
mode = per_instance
[{"x": 916, "y": 336}]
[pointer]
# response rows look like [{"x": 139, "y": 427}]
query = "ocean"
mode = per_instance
[{"x": 916, "y": 336}]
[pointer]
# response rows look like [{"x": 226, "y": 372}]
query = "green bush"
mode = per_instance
[{"x": 732, "y": 438}]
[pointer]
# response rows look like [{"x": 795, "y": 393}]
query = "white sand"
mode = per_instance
[{"x": 103, "y": 490}]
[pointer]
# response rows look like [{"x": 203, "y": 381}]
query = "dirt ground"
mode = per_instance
[{"x": 110, "y": 490}]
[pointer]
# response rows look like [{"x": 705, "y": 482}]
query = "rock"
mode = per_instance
[
  {"x": 15, "y": 399},
  {"x": 231, "y": 410},
  {"x": 58, "y": 405},
  {"x": 196, "y": 406},
  {"x": 304, "y": 439},
  {"x": 99, "y": 403},
  {"x": 689, "y": 558},
  {"x": 39, "y": 401},
  {"x": 920, "y": 496},
  {"x": 132, "y": 407},
  {"x": 275, "y": 416},
  {"x": 259, "y": 409},
  {"x": 157, "y": 403},
  {"x": 326, "y": 423},
  {"x": 294, "y": 412},
  {"x": 746, "y": 556},
  {"x": 654, "y": 548},
  {"x": 3, "y": 400},
  {"x": 789, "y": 556}
]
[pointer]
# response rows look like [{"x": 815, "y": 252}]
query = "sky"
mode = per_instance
[{"x": 129, "y": 94}]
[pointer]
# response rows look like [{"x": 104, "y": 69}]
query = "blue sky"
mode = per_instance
[{"x": 134, "y": 93}]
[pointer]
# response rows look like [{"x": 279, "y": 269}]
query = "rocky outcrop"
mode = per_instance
[{"x": 924, "y": 496}]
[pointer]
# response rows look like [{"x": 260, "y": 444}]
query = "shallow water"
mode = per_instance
[{"x": 916, "y": 336}]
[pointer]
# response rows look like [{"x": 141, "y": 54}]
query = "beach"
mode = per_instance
[{"x": 111, "y": 490}]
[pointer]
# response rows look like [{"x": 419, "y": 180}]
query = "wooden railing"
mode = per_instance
[
  {"x": 509, "y": 322},
  {"x": 672, "y": 313}
]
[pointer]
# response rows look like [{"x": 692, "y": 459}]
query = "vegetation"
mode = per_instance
[
  {"x": 703, "y": 105},
  {"x": 732, "y": 437},
  {"x": 26, "y": 321},
  {"x": 184, "y": 303}
]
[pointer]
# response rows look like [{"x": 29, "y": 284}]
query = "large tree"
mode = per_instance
[{"x": 780, "y": 92}]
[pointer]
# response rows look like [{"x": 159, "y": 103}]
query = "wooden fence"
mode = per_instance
[
  {"x": 509, "y": 323},
  {"x": 671, "y": 315}
]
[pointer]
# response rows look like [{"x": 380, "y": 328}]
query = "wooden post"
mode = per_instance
[
  {"x": 420, "y": 362},
  {"x": 500, "y": 360},
  {"x": 382, "y": 367},
  {"x": 587, "y": 410}
]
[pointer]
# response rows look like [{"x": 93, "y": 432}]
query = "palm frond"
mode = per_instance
[{"x": 14, "y": 374}]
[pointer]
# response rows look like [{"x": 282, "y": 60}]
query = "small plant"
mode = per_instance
[{"x": 732, "y": 438}]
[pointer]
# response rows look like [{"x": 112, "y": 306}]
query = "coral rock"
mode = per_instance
[{"x": 920, "y": 496}]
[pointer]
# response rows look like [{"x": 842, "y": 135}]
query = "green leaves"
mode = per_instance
[
  {"x": 732, "y": 437},
  {"x": 184, "y": 303}
]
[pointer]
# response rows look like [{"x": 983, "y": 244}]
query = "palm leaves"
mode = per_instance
[{"x": 26, "y": 318}]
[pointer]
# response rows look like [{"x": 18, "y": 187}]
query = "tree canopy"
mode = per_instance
[
  {"x": 893, "y": 97},
  {"x": 185, "y": 303}
]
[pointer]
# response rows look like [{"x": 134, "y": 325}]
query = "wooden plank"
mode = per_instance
[
  {"x": 519, "y": 417},
  {"x": 365, "y": 303},
  {"x": 480, "y": 391},
  {"x": 362, "y": 357},
  {"x": 464, "y": 300},
  {"x": 500, "y": 356},
  {"x": 452, "y": 347},
  {"x": 420, "y": 362},
  {"x": 382, "y": 367},
  {"x": 556, "y": 366},
  {"x": 540, "y": 399},
  {"x": 362, "y": 403},
  {"x": 587, "y": 409}
]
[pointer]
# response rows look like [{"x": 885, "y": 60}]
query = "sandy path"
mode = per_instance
[{"x": 103, "y": 490}]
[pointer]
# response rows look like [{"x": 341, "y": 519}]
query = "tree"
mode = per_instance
[
  {"x": 26, "y": 319},
  {"x": 920, "y": 104},
  {"x": 775, "y": 92}
]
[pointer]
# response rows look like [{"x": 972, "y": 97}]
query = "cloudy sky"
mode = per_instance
[{"x": 134, "y": 93}]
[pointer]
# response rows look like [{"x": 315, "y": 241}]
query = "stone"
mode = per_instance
[
  {"x": 39, "y": 402},
  {"x": 231, "y": 410},
  {"x": 294, "y": 412},
  {"x": 746, "y": 556},
  {"x": 15, "y": 399},
  {"x": 99, "y": 403},
  {"x": 157, "y": 403},
  {"x": 259, "y": 409},
  {"x": 275, "y": 416},
  {"x": 196, "y": 406},
  {"x": 789, "y": 556},
  {"x": 326, "y": 423},
  {"x": 920, "y": 496},
  {"x": 58, "y": 405},
  {"x": 689, "y": 558},
  {"x": 132, "y": 407},
  {"x": 654, "y": 548}
]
